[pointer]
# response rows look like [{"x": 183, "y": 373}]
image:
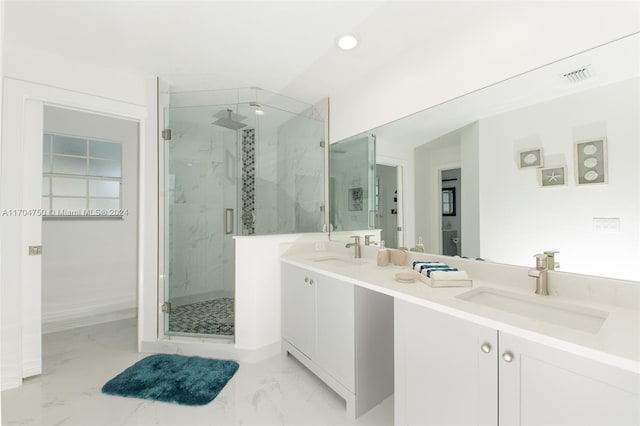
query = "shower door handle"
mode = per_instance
[{"x": 228, "y": 221}]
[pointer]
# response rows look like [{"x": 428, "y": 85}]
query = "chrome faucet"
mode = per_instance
[
  {"x": 367, "y": 240},
  {"x": 540, "y": 274},
  {"x": 355, "y": 244}
]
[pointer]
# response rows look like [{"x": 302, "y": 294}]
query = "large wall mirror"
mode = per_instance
[{"x": 547, "y": 160}]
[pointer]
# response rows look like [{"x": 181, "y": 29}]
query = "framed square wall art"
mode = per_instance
[
  {"x": 552, "y": 176},
  {"x": 591, "y": 161},
  {"x": 530, "y": 158}
]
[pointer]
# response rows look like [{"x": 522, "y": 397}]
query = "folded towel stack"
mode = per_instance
[
  {"x": 419, "y": 266},
  {"x": 434, "y": 273}
]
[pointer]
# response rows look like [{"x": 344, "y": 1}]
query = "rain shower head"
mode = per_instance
[{"x": 230, "y": 120}]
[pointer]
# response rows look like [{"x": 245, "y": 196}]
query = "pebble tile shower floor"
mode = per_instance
[{"x": 208, "y": 317}]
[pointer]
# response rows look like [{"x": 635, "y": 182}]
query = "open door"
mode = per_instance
[{"x": 31, "y": 246}]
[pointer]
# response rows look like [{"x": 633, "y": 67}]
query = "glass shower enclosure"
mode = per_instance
[{"x": 233, "y": 162}]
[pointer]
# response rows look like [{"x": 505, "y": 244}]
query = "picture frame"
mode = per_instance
[
  {"x": 552, "y": 176},
  {"x": 355, "y": 200},
  {"x": 449, "y": 201},
  {"x": 590, "y": 160},
  {"x": 533, "y": 157}
]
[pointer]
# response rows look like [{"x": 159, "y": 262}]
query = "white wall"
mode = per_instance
[
  {"x": 89, "y": 266},
  {"x": 518, "y": 216},
  {"x": 68, "y": 73},
  {"x": 1, "y": 103},
  {"x": 470, "y": 223}
]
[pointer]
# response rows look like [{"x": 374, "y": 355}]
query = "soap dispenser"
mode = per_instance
[{"x": 383, "y": 255}]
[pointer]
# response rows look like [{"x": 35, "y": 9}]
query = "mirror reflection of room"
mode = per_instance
[
  {"x": 387, "y": 203},
  {"x": 576, "y": 121},
  {"x": 352, "y": 184}
]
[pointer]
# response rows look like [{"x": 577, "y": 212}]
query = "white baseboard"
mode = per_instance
[
  {"x": 71, "y": 320},
  {"x": 10, "y": 381},
  {"x": 31, "y": 368}
]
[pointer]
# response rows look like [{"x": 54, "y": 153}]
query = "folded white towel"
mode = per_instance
[{"x": 449, "y": 275}]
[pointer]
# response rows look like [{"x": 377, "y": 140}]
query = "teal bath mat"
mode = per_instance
[{"x": 173, "y": 378}]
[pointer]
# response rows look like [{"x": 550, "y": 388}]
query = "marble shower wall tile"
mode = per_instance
[
  {"x": 277, "y": 172},
  {"x": 300, "y": 175},
  {"x": 350, "y": 171},
  {"x": 199, "y": 176}
]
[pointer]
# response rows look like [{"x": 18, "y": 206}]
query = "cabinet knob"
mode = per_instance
[
  {"x": 311, "y": 281},
  {"x": 507, "y": 356},
  {"x": 306, "y": 279},
  {"x": 486, "y": 348}
]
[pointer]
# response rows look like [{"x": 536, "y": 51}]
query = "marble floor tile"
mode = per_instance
[{"x": 76, "y": 363}]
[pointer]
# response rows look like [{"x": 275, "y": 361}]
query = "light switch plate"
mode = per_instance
[{"x": 606, "y": 224}]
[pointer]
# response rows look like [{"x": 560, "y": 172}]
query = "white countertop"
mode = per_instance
[{"x": 617, "y": 343}]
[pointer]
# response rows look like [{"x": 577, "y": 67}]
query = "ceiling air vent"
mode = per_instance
[{"x": 579, "y": 75}]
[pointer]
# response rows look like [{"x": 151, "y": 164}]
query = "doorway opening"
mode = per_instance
[
  {"x": 451, "y": 219},
  {"x": 90, "y": 226},
  {"x": 387, "y": 204}
]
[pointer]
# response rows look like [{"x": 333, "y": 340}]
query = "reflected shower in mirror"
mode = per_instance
[
  {"x": 581, "y": 115},
  {"x": 352, "y": 183}
]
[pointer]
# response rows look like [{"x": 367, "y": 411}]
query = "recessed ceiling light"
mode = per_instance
[
  {"x": 347, "y": 42},
  {"x": 259, "y": 112}
]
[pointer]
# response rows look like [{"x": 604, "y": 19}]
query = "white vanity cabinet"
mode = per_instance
[
  {"x": 442, "y": 376},
  {"x": 541, "y": 385},
  {"x": 342, "y": 333},
  {"x": 453, "y": 371},
  {"x": 299, "y": 309}
]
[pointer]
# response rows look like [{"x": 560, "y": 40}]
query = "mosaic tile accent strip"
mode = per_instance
[
  {"x": 208, "y": 317},
  {"x": 248, "y": 179}
]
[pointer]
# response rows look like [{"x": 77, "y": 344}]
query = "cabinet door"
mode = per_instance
[
  {"x": 442, "y": 374},
  {"x": 546, "y": 386},
  {"x": 299, "y": 309},
  {"x": 336, "y": 329}
]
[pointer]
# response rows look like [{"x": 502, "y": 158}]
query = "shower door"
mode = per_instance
[
  {"x": 237, "y": 162},
  {"x": 200, "y": 219}
]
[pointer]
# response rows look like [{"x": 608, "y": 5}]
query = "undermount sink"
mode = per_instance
[
  {"x": 540, "y": 308},
  {"x": 339, "y": 260}
]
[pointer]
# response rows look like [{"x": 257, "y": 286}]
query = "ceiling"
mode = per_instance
[{"x": 288, "y": 47}]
